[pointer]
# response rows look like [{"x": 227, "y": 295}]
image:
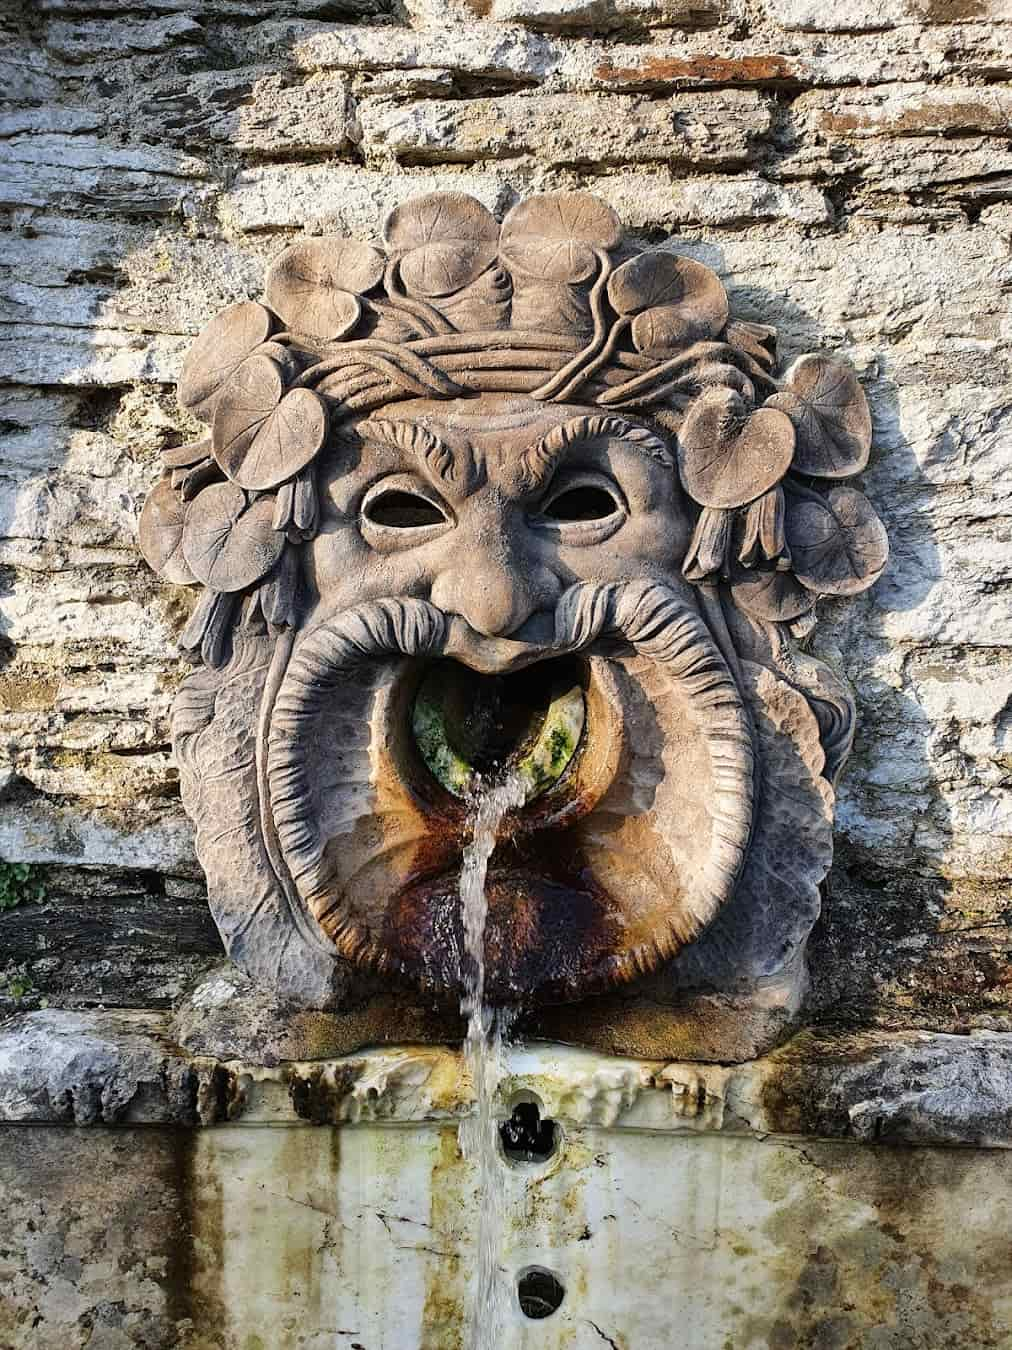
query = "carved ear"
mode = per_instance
[
  {"x": 215, "y": 721},
  {"x": 764, "y": 925}
]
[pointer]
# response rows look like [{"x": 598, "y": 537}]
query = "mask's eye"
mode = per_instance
[
  {"x": 586, "y": 501},
  {"x": 402, "y": 511},
  {"x": 583, "y": 507}
]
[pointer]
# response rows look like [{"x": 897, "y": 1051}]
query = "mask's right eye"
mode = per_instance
[{"x": 401, "y": 511}]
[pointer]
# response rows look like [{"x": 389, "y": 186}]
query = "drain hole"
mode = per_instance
[
  {"x": 540, "y": 1292},
  {"x": 526, "y": 1138}
]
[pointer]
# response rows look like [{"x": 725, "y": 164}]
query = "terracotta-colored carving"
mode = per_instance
[{"x": 509, "y": 496}]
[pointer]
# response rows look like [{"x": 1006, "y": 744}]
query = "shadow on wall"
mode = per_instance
[{"x": 872, "y": 907}]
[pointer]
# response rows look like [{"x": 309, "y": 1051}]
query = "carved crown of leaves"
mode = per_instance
[{"x": 549, "y": 303}]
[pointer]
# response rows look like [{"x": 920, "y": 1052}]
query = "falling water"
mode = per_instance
[{"x": 484, "y": 1055}]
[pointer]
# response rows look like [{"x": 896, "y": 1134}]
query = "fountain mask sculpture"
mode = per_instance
[{"x": 511, "y": 498}]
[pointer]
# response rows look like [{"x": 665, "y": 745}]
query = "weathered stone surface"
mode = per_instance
[
  {"x": 88, "y": 1070},
  {"x": 125, "y": 944},
  {"x": 157, "y": 1237},
  {"x": 902, "y": 136},
  {"x": 328, "y": 198},
  {"x": 861, "y": 15},
  {"x": 127, "y": 1068},
  {"x": 706, "y": 131},
  {"x": 652, "y": 202},
  {"x": 112, "y": 40},
  {"x": 81, "y": 173},
  {"x": 599, "y": 15},
  {"x": 253, "y": 110},
  {"x": 71, "y": 1275},
  {"x": 148, "y": 834}
]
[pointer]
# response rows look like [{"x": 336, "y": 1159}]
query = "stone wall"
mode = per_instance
[{"x": 845, "y": 167}]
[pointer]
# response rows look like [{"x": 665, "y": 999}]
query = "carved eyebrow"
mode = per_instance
[
  {"x": 539, "y": 462},
  {"x": 433, "y": 456}
]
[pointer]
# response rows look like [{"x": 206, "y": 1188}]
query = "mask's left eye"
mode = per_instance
[{"x": 401, "y": 511}]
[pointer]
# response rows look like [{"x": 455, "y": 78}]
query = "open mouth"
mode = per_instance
[
  {"x": 471, "y": 728},
  {"x": 634, "y": 750}
]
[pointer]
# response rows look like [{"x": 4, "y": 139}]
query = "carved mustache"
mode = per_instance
[{"x": 648, "y": 616}]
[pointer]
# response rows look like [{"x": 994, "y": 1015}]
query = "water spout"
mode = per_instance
[{"x": 484, "y": 1055}]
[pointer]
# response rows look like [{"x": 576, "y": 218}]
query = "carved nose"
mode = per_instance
[{"x": 495, "y": 599}]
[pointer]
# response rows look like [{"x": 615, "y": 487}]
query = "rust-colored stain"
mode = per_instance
[
  {"x": 714, "y": 69},
  {"x": 914, "y": 120}
]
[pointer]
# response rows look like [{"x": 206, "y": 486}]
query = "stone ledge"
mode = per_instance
[{"x": 120, "y": 1068}]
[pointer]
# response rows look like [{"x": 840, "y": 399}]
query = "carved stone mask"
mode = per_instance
[{"x": 509, "y": 498}]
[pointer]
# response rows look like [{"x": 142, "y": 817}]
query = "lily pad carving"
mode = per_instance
[
  {"x": 553, "y": 235},
  {"x": 262, "y": 435},
  {"x": 838, "y": 544},
  {"x": 218, "y": 352},
  {"x": 826, "y": 403},
  {"x": 185, "y": 456},
  {"x": 728, "y": 455},
  {"x": 675, "y": 300},
  {"x": 315, "y": 285},
  {"x": 161, "y": 534},
  {"x": 446, "y": 239},
  {"x": 771, "y": 595},
  {"x": 228, "y": 544}
]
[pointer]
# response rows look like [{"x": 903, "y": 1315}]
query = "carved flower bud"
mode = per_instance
[
  {"x": 710, "y": 546},
  {"x": 763, "y": 537}
]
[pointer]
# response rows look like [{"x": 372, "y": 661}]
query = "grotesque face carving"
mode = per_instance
[
  {"x": 530, "y": 509},
  {"x": 491, "y": 508}
]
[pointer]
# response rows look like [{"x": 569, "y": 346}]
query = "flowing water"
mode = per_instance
[{"x": 484, "y": 1055}]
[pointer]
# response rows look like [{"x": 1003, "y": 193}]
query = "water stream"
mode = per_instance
[{"x": 484, "y": 1056}]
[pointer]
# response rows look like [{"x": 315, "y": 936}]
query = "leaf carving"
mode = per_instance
[
  {"x": 447, "y": 239},
  {"x": 757, "y": 340},
  {"x": 675, "y": 300},
  {"x": 553, "y": 235},
  {"x": 185, "y": 456},
  {"x": 161, "y": 534},
  {"x": 261, "y": 435},
  {"x": 838, "y": 544},
  {"x": 218, "y": 352},
  {"x": 771, "y": 595},
  {"x": 729, "y": 456},
  {"x": 826, "y": 403},
  {"x": 315, "y": 285},
  {"x": 227, "y": 544}
]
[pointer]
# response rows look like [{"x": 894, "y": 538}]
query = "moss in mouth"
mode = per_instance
[{"x": 469, "y": 726}]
